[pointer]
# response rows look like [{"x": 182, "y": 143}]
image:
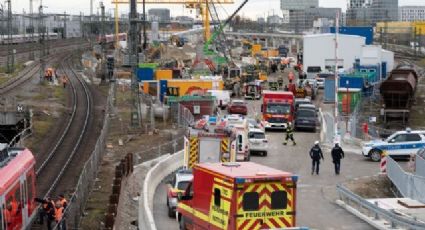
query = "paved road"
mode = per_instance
[{"x": 316, "y": 194}]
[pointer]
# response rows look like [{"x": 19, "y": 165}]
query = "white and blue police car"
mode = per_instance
[{"x": 401, "y": 143}]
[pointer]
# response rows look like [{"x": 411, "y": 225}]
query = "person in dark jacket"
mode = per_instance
[
  {"x": 337, "y": 155},
  {"x": 316, "y": 154}
]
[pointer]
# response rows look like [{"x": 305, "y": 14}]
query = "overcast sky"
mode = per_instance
[{"x": 253, "y": 9}]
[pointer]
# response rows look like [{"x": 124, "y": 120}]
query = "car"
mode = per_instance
[
  {"x": 254, "y": 124},
  {"x": 301, "y": 101},
  {"x": 401, "y": 143},
  {"x": 321, "y": 77},
  {"x": 237, "y": 107},
  {"x": 306, "y": 118},
  {"x": 314, "y": 86},
  {"x": 308, "y": 106},
  {"x": 257, "y": 141},
  {"x": 178, "y": 184}
]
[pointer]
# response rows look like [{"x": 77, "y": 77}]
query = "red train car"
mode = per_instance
[{"x": 17, "y": 188}]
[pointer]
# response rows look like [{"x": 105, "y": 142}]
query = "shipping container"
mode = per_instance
[
  {"x": 351, "y": 81},
  {"x": 319, "y": 50},
  {"x": 256, "y": 49},
  {"x": 394, "y": 27},
  {"x": 163, "y": 74},
  {"x": 148, "y": 65},
  {"x": 388, "y": 58},
  {"x": 364, "y": 31},
  {"x": 198, "y": 105},
  {"x": 145, "y": 74},
  {"x": 191, "y": 87}
]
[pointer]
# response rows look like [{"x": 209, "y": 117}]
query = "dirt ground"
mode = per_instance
[
  {"x": 134, "y": 141},
  {"x": 378, "y": 186},
  {"x": 416, "y": 119}
]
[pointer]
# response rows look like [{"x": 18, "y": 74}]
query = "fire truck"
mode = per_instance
[
  {"x": 209, "y": 140},
  {"x": 277, "y": 109},
  {"x": 238, "y": 196}
]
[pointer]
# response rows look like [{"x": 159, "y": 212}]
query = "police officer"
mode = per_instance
[
  {"x": 315, "y": 155},
  {"x": 337, "y": 155},
  {"x": 289, "y": 134}
]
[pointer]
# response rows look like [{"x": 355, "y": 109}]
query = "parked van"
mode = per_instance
[{"x": 222, "y": 97}]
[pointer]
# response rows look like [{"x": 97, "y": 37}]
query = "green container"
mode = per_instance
[
  {"x": 148, "y": 65},
  {"x": 353, "y": 101}
]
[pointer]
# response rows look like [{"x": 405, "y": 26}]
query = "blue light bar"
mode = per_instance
[
  {"x": 240, "y": 180},
  {"x": 295, "y": 178}
]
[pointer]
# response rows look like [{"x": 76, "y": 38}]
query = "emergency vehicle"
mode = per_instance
[
  {"x": 277, "y": 109},
  {"x": 401, "y": 143},
  {"x": 209, "y": 140},
  {"x": 238, "y": 196},
  {"x": 252, "y": 91},
  {"x": 239, "y": 126}
]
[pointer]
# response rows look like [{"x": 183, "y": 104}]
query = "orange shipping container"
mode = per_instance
[{"x": 163, "y": 74}]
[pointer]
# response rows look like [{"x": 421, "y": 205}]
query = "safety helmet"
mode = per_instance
[
  {"x": 289, "y": 123},
  {"x": 316, "y": 143}
]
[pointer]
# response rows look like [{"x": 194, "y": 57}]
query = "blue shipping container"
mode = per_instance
[
  {"x": 145, "y": 74},
  {"x": 364, "y": 31}
]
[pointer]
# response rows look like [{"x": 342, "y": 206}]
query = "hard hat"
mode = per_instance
[
  {"x": 316, "y": 142},
  {"x": 290, "y": 123}
]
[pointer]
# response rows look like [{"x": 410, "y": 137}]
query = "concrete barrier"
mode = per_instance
[
  {"x": 323, "y": 129},
  {"x": 155, "y": 175}
]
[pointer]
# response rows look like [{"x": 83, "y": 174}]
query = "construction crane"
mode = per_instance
[{"x": 202, "y": 5}]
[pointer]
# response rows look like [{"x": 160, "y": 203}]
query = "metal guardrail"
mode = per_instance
[
  {"x": 408, "y": 184},
  {"x": 420, "y": 166},
  {"x": 394, "y": 219}
]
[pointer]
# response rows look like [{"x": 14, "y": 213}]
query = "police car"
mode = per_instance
[{"x": 401, "y": 143}]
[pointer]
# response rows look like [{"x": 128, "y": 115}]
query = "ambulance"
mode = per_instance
[{"x": 238, "y": 196}]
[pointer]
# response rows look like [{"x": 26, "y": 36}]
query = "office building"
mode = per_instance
[
  {"x": 298, "y": 4},
  {"x": 302, "y": 20},
  {"x": 369, "y": 12},
  {"x": 411, "y": 13}
]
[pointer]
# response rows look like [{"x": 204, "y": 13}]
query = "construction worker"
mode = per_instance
[
  {"x": 63, "y": 201},
  {"x": 337, "y": 154},
  {"x": 289, "y": 134},
  {"x": 316, "y": 154},
  {"x": 59, "y": 210},
  {"x": 64, "y": 81}
]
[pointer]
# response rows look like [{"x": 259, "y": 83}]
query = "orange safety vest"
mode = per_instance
[{"x": 58, "y": 214}]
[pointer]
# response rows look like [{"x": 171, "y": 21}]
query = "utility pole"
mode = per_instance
[
  {"x": 64, "y": 25},
  {"x": 10, "y": 51},
  {"x": 91, "y": 10},
  {"x": 133, "y": 52},
  {"x": 103, "y": 42},
  {"x": 336, "y": 131},
  {"x": 41, "y": 34},
  {"x": 31, "y": 30}
]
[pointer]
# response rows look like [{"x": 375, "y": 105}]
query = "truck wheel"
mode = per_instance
[
  {"x": 375, "y": 155},
  {"x": 171, "y": 213},
  {"x": 265, "y": 154},
  {"x": 248, "y": 158}
]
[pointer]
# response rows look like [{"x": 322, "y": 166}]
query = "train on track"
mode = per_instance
[
  {"x": 17, "y": 188},
  {"x": 20, "y": 39},
  {"x": 398, "y": 92}
]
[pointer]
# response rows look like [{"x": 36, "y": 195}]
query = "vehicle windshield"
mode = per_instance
[
  {"x": 238, "y": 103},
  {"x": 278, "y": 109},
  {"x": 252, "y": 88},
  {"x": 306, "y": 113},
  {"x": 314, "y": 69},
  {"x": 257, "y": 135},
  {"x": 182, "y": 185}
]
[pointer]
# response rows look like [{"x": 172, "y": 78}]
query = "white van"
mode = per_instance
[{"x": 222, "y": 97}]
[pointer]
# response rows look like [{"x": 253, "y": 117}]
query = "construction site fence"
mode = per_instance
[
  {"x": 173, "y": 146},
  {"x": 420, "y": 165},
  {"x": 371, "y": 211},
  {"x": 76, "y": 203},
  {"x": 408, "y": 184}
]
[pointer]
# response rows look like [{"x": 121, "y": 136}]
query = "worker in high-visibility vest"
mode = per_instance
[
  {"x": 63, "y": 201},
  {"x": 289, "y": 134},
  {"x": 64, "y": 81},
  {"x": 59, "y": 210}
]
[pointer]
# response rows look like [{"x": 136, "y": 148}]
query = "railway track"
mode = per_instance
[
  {"x": 52, "y": 169},
  {"x": 23, "y": 50}
]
